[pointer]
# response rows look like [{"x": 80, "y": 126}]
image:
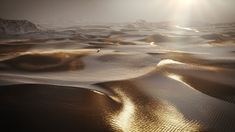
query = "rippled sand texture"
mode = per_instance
[{"x": 119, "y": 78}]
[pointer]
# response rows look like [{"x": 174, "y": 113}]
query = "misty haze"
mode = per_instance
[{"x": 117, "y": 65}]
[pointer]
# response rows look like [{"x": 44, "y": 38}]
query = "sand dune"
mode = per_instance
[
  {"x": 127, "y": 77},
  {"x": 54, "y": 108},
  {"x": 39, "y": 62}
]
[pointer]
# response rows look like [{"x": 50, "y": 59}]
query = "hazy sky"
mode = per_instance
[{"x": 74, "y": 11}]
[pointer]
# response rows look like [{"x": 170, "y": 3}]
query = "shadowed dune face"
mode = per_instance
[
  {"x": 193, "y": 59},
  {"x": 214, "y": 89},
  {"x": 220, "y": 39},
  {"x": 54, "y": 108},
  {"x": 159, "y": 38},
  {"x": 156, "y": 38},
  {"x": 211, "y": 80},
  {"x": 6, "y": 49},
  {"x": 42, "y": 62}
]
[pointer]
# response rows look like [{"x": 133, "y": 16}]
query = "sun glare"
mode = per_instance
[
  {"x": 187, "y": 2},
  {"x": 185, "y": 11}
]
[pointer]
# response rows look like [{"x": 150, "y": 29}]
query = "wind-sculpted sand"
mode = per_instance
[
  {"x": 39, "y": 62},
  {"x": 118, "y": 78}
]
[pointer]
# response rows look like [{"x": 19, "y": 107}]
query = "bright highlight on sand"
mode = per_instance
[{"x": 168, "y": 62}]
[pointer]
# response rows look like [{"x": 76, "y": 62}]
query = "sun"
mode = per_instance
[{"x": 187, "y": 3}]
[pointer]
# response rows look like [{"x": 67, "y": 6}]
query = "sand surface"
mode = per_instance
[{"x": 119, "y": 77}]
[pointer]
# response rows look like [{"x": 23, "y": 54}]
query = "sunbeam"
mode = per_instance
[{"x": 186, "y": 11}]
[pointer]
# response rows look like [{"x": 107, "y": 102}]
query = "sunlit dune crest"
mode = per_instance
[
  {"x": 187, "y": 28},
  {"x": 152, "y": 44},
  {"x": 95, "y": 91},
  {"x": 124, "y": 119},
  {"x": 179, "y": 79},
  {"x": 75, "y": 51},
  {"x": 168, "y": 62}
]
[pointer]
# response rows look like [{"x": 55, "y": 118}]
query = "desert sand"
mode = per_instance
[{"x": 119, "y": 77}]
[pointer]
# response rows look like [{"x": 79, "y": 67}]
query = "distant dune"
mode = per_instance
[{"x": 17, "y": 26}]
